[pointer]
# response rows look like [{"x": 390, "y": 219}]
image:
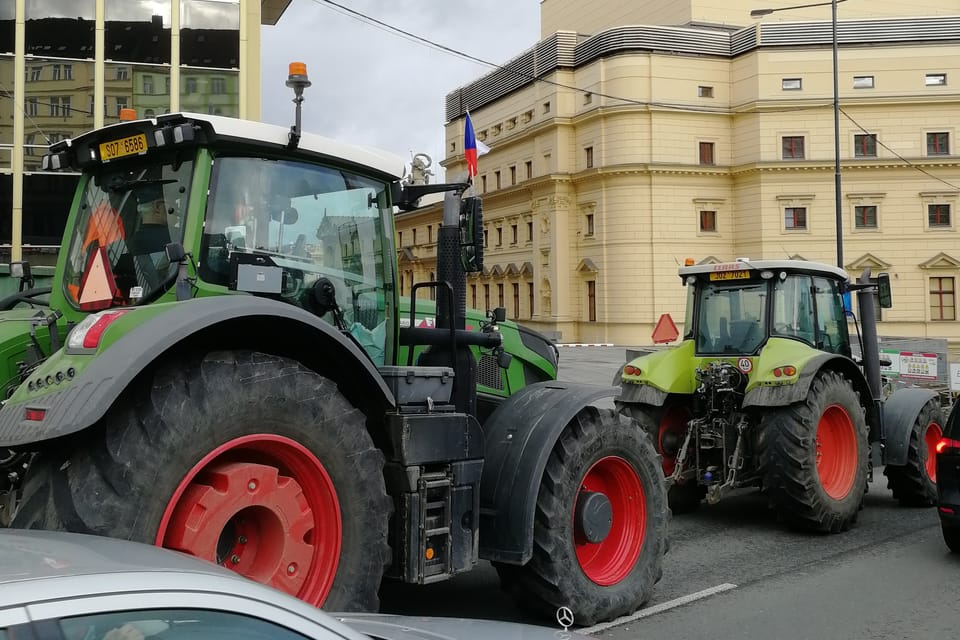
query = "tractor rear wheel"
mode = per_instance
[
  {"x": 241, "y": 458},
  {"x": 667, "y": 426},
  {"x": 915, "y": 483},
  {"x": 601, "y": 523},
  {"x": 814, "y": 456}
]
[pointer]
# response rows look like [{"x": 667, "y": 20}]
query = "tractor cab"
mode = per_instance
[{"x": 734, "y": 308}]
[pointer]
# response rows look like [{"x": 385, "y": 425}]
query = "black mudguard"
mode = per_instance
[
  {"x": 259, "y": 324},
  {"x": 519, "y": 437},
  {"x": 900, "y": 413}
]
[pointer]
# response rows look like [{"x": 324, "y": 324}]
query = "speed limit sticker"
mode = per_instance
[{"x": 745, "y": 365}]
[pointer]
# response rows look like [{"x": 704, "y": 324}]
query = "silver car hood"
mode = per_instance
[{"x": 396, "y": 627}]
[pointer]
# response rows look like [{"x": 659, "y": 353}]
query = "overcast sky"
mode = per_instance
[{"x": 373, "y": 87}]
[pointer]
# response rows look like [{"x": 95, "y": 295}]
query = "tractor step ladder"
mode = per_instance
[{"x": 436, "y": 543}]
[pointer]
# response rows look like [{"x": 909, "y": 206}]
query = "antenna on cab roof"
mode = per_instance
[{"x": 298, "y": 81}]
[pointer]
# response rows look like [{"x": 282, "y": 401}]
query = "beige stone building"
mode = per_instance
[{"x": 663, "y": 130}]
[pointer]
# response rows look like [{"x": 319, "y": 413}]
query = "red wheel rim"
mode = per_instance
[
  {"x": 265, "y": 507},
  {"x": 836, "y": 452},
  {"x": 673, "y": 428},
  {"x": 609, "y": 561},
  {"x": 931, "y": 438}
]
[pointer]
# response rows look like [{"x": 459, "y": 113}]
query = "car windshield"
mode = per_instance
[
  {"x": 127, "y": 216},
  {"x": 731, "y": 319}
]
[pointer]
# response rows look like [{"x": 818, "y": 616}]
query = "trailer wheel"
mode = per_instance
[
  {"x": 601, "y": 523},
  {"x": 915, "y": 483},
  {"x": 814, "y": 456},
  {"x": 666, "y": 426},
  {"x": 241, "y": 458}
]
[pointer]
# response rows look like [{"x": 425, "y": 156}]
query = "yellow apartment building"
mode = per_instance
[
  {"x": 635, "y": 135},
  {"x": 67, "y": 66}
]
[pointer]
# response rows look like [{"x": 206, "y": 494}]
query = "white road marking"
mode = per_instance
[{"x": 660, "y": 608}]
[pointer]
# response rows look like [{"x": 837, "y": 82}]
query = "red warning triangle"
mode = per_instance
[
  {"x": 97, "y": 287},
  {"x": 666, "y": 330}
]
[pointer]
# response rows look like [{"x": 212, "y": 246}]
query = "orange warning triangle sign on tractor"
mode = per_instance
[
  {"x": 665, "y": 331},
  {"x": 97, "y": 288}
]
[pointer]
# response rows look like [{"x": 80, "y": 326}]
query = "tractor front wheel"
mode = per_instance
[
  {"x": 814, "y": 456},
  {"x": 915, "y": 483},
  {"x": 667, "y": 427},
  {"x": 241, "y": 458},
  {"x": 601, "y": 523}
]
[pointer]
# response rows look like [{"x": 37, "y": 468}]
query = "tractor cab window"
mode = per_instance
[
  {"x": 731, "y": 319},
  {"x": 324, "y": 226},
  {"x": 128, "y": 213},
  {"x": 832, "y": 332},
  {"x": 793, "y": 308}
]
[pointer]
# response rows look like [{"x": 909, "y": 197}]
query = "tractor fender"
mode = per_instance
[
  {"x": 223, "y": 322},
  {"x": 519, "y": 437},
  {"x": 783, "y": 395},
  {"x": 900, "y": 413}
]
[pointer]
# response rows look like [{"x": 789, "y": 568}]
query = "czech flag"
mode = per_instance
[{"x": 472, "y": 148}]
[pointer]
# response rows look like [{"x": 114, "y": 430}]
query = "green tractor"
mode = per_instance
[
  {"x": 764, "y": 390},
  {"x": 223, "y": 366}
]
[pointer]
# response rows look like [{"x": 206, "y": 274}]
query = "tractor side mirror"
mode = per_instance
[
  {"x": 499, "y": 314},
  {"x": 471, "y": 234},
  {"x": 22, "y": 271},
  {"x": 883, "y": 290},
  {"x": 175, "y": 253}
]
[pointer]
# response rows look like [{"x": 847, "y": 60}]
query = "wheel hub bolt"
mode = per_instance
[
  {"x": 242, "y": 539},
  {"x": 292, "y": 568},
  {"x": 235, "y": 559},
  {"x": 252, "y": 485}
]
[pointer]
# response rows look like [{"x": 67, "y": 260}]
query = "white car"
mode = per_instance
[{"x": 59, "y": 586}]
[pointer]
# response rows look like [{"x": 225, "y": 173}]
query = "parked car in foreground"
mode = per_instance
[
  {"x": 948, "y": 480},
  {"x": 60, "y": 586}
]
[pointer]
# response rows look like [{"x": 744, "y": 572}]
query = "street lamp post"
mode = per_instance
[{"x": 838, "y": 203}]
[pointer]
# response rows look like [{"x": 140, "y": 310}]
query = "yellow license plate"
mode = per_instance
[
  {"x": 129, "y": 146},
  {"x": 730, "y": 275}
]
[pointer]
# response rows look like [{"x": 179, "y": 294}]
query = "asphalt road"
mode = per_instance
[{"x": 889, "y": 577}]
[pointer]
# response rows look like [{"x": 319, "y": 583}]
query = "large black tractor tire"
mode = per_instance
[
  {"x": 814, "y": 456},
  {"x": 603, "y": 478},
  {"x": 951, "y": 536},
  {"x": 666, "y": 427},
  {"x": 915, "y": 483},
  {"x": 276, "y": 461}
]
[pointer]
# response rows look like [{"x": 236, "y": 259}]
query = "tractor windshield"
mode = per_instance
[
  {"x": 323, "y": 225},
  {"x": 128, "y": 213},
  {"x": 731, "y": 319}
]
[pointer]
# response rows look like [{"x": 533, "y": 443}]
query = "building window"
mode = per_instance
[
  {"x": 148, "y": 85},
  {"x": 191, "y": 85},
  {"x": 588, "y": 153},
  {"x": 592, "y": 300},
  {"x": 863, "y": 82},
  {"x": 166, "y": 85},
  {"x": 473, "y": 296},
  {"x": 793, "y": 148},
  {"x": 865, "y": 145},
  {"x": 400, "y": 238},
  {"x": 706, "y": 153},
  {"x": 708, "y": 221},
  {"x": 795, "y": 218},
  {"x": 496, "y": 176},
  {"x": 218, "y": 86},
  {"x": 791, "y": 84},
  {"x": 587, "y": 98},
  {"x": 33, "y": 106},
  {"x": 516, "y": 300},
  {"x": 936, "y": 79},
  {"x": 414, "y": 231},
  {"x": 546, "y": 107},
  {"x": 123, "y": 73},
  {"x": 65, "y": 106},
  {"x": 499, "y": 236},
  {"x": 530, "y": 231},
  {"x": 429, "y": 233},
  {"x": 942, "y": 299},
  {"x": 486, "y": 238},
  {"x": 35, "y": 73},
  {"x": 865, "y": 217},
  {"x": 938, "y": 215},
  {"x": 704, "y": 92},
  {"x": 433, "y": 290},
  {"x": 121, "y": 104},
  {"x": 513, "y": 230},
  {"x": 528, "y": 165},
  {"x": 483, "y": 184},
  {"x": 401, "y": 284},
  {"x": 513, "y": 175},
  {"x": 500, "y": 294},
  {"x": 486, "y": 297},
  {"x": 938, "y": 144},
  {"x": 56, "y": 72},
  {"x": 68, "y": 72},
  {"x": 54, "y": 104},
  {"x": 530, "y": 295}
]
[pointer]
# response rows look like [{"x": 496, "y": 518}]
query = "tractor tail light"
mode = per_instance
[
  {"x": 946, "y": 444},
  {"x": 87, "y": 334},
  {"x": 631, "y": 370},
  {"x": 34, "y": 415}
]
